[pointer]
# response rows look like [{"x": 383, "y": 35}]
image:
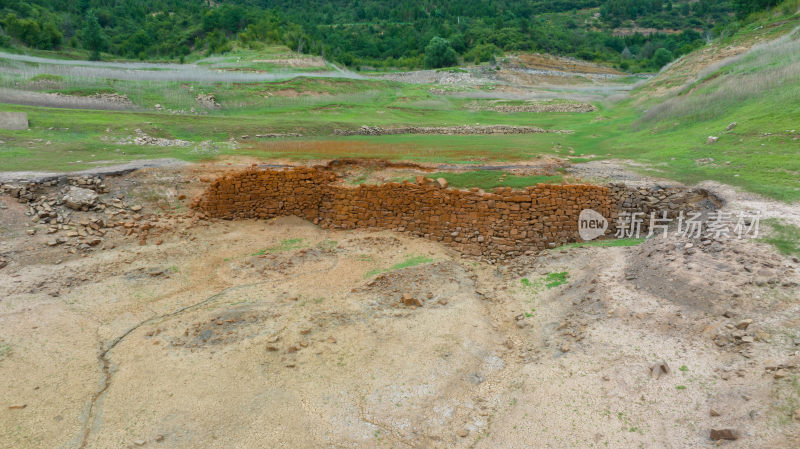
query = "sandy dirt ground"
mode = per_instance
[{"x": 280, "y": 334}]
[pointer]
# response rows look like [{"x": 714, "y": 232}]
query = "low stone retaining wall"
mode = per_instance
[
  {"x": 495, "y": 225},
  {"x": 447, "y": 130}
]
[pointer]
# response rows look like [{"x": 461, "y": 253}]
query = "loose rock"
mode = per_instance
[
  {"x": 724, "y": 434},
  {"x": 77, "y": 198},
  {"x": 409, "y": 300},
  {"x": 659, "y": 369}
]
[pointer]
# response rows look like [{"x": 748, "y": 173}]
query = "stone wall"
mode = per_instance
[{"x": 496, "y": 225}]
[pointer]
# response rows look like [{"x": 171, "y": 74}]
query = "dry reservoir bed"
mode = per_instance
[{"x": 278, "y": 333}]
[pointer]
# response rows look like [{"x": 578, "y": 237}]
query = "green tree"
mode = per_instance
[
  {"x": 439, "y": 53},
  {"x": 744, "y": 8},
  {"x": 662, "y": 57},
  {"x": 93, "y": 38}
]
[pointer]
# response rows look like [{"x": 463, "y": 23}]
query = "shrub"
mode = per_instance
[
  {"x": 483, "y": 53},
  {"x": 662, "y": 57},
  {"x": 439, "y": 53}
]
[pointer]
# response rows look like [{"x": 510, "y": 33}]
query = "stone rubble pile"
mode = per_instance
[
  {"x": 537, "y": 107},
  {"x": 143, "y": 139},
  {"x": 657, "y": 199},
  {"x": 118, "y": 99},
  {"x": 81, "y": 218},
  {"x": 208, "y": 101}
]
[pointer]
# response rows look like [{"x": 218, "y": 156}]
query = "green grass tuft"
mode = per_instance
[
  {"x": 605, "y": 243},
  {"x": 285, "y": 245},
  {"x": 410, "y": 261},
  {"x": 784, "y": 237},
  {"x": 5, "y": 350},
  {"x": 46, "y": 77},
  {"x": 555, "y": 279}
]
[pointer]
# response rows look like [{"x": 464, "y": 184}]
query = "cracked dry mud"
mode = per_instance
[{"x": 280, "y": 334}]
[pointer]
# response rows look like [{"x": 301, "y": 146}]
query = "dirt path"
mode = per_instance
[{"x": 739, "y": 200}]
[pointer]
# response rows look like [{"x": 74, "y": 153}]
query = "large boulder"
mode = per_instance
[
  {"x": 78, "y": 198},
  {"x": 13, "y": 120}
]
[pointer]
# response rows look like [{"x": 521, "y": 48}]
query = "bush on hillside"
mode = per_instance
[{"x": 439, "y": 53}]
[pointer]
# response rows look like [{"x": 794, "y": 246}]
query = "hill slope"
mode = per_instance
[
  {"x": 638, "y": 35},
  {"x": 745, "y": 92}
]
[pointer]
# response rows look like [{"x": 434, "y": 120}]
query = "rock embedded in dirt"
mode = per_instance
[
  {"x": 713, "y": 413},
  {"x": 659, "y": 369},
  {"x": 409, "y": 300},
  {"x": 743, "y": 324},
  {"x": 77, "y": 198},
  {"x": 724, "y": 434}
]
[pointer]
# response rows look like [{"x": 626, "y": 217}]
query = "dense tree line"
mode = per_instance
[
  {"x": 745, "y": 7},
  {"x": 396, "y": 34},
  {"x": 378, "y": 33},
  {"x": 138, "y": 29}
]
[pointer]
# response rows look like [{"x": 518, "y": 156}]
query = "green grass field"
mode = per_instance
[{"x": 759, "y": 91}]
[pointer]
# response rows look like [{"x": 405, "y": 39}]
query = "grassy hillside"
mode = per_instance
[{"x": 758, "y": 90}]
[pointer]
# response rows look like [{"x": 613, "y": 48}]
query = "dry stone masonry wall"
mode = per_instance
[{"x": 496, "y": 225}]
